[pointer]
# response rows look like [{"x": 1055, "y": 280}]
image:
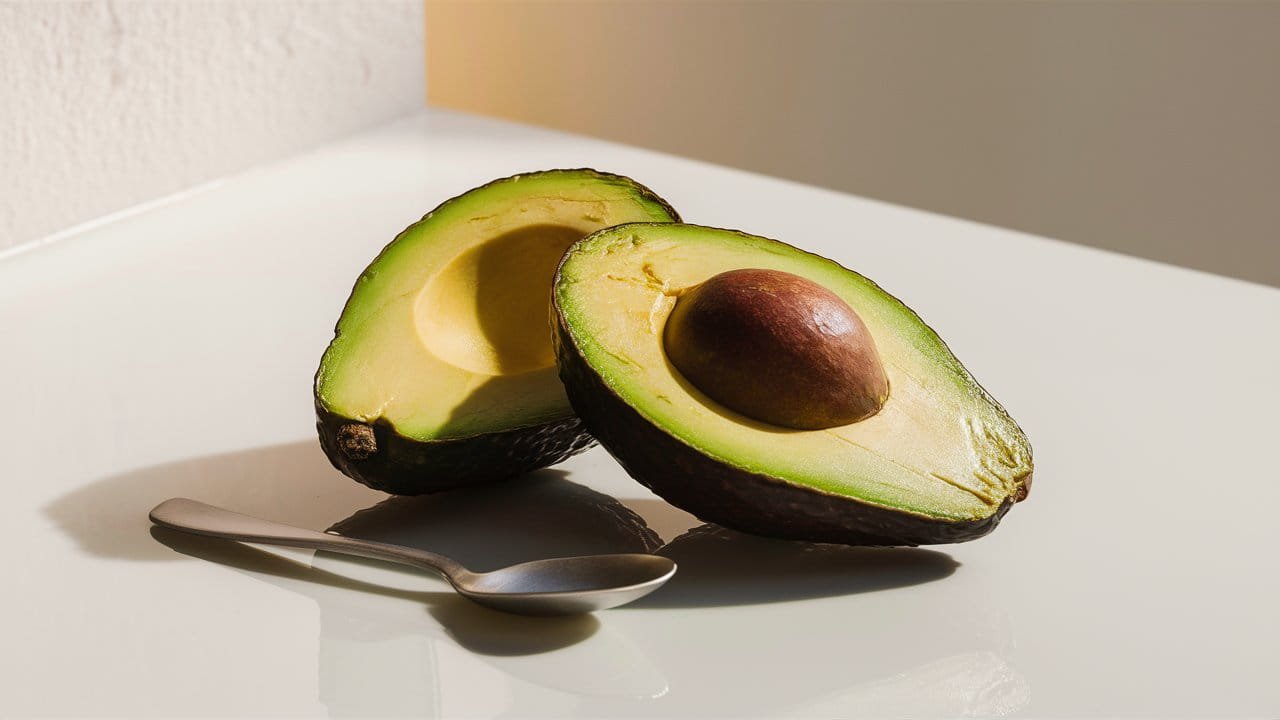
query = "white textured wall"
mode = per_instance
[{"x": 105, "y": 104}]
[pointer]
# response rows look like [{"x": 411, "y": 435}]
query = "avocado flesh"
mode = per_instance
[
  {"x": 443, "y": 350},
  {"x": 940, "y": 462}
]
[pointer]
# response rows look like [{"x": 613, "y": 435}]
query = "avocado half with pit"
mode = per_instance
[
  {"x": 441, "y": 371},
  {"x": 773, "y": 391}
]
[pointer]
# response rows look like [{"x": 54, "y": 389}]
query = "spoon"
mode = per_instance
[{"x": 558, "y": 586}]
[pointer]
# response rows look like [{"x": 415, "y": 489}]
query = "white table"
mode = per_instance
[{"x": 170, "y": 352}]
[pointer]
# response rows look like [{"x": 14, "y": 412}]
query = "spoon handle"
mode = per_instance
[{"x": 203, "y": 519}]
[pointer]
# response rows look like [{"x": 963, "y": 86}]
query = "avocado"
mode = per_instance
[
  {"x": 441, "y": 371},
  {"x": 937, "y": 461}
]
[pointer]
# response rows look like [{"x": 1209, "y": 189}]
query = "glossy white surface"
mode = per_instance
[{"x": 170, "y": 353}]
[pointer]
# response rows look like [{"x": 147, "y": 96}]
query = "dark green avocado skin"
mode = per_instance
[
  {"x": 734, "y": 498},
  {"x": 396, "y": 464}
]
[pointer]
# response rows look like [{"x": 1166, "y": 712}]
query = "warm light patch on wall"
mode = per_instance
[{"x": 1137, "y": 127}]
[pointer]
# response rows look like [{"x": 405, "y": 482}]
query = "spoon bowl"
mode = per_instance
[
  {"x": 556, "y": 586},
  {"x": 569, "y": 585}
]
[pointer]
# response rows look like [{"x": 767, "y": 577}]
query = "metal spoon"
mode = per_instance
[{"x": 559, "y": 586}]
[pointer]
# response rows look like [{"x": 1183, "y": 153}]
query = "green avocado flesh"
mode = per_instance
[
  {"x": 940, "y": 462},
  {"x": 441, "y": 370}
]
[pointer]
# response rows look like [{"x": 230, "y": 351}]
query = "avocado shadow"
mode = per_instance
[
  {"x": 291, "y": 483},
  {"x": 537, "y": 516},
  {"x": 721, "y": 567}
]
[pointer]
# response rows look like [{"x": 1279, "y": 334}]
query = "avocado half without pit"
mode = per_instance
[
  {"x": 441, "y": 372},
  {"x": 773, "y": 391}
]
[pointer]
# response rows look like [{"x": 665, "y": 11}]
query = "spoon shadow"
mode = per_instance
[{"x": 479, "y": 629}]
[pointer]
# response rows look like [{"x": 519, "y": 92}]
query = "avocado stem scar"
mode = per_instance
[{"x": 357, "y": 441}]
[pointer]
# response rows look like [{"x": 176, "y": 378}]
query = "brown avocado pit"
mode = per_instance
[{"x": 777, "y": 348}]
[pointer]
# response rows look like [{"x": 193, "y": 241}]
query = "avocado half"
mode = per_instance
[
  {"x": 940, "y": 462},
  {"x": 441, "y": 371}
]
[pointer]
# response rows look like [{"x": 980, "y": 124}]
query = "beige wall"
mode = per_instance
[{"x": 1151, "y": 128}]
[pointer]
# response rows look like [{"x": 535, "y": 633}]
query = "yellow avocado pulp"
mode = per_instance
[
  {"x": 446, "y": 333},
  {"x": 939, "y": 447}
]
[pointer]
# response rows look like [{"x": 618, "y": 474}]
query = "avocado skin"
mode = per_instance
[
  {"x": 403, "y": 466},
  {"x": 735, "y": 498}
]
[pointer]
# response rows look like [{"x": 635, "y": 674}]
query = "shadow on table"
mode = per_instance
[
  {"x": 553, "y": 517},
  {"x": 292, "y": 483},
  {"x": 721, "y": 567},
  {"x": 540, "y": 515},
  {"x": 537, "y": 516}
]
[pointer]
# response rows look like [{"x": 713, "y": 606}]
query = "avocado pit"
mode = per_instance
[{"x": 777, "y": 348}]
